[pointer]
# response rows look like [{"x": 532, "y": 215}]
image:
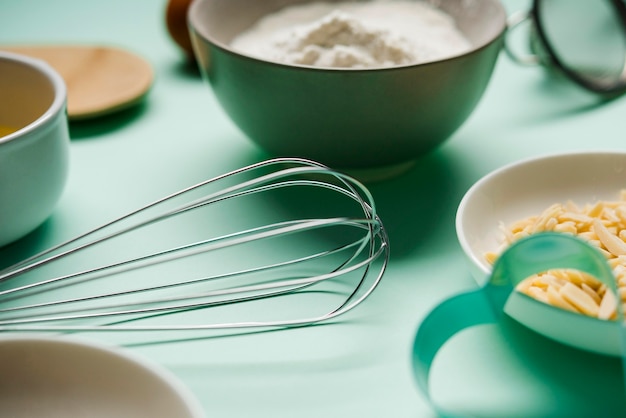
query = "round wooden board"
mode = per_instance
[{"x": 100, "y": 80}]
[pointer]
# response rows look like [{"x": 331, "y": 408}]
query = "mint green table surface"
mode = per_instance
[{"x": 361, "y": 365}]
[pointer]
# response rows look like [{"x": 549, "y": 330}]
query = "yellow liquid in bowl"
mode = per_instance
[{"x": 6, "y": 130}]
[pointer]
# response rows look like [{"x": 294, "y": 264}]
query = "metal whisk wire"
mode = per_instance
[{"x": 365, "y": 257}]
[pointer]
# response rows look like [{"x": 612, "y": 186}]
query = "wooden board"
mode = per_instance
[{"x": 99, "y": 80}]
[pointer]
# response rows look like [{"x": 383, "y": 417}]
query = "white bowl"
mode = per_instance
[
  {"x": 524, "y": 189},
  {"x": 34, "y": 154},
  {"x": 59, "y": 377}
]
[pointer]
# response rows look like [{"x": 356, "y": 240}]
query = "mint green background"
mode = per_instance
[{"x": 360, "y": 367}]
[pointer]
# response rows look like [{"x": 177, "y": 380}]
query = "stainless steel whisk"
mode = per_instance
[{"x": 311, "y": 249}]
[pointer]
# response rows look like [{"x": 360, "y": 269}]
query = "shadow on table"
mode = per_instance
[
  {"x": 592, "y": 382},
  {"x": 581, "y": 384},
  {"x": 186, "y": 69},
  {"x": 99, "y": 126},
  {"x": 26, "y": 246},
  {"x": 413, "y": 206},
  {"x": 419, "y": 203},
  {"x": 556, "y": 97}
]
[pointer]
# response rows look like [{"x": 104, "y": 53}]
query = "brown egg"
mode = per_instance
[{"x": 176, "y": 21}]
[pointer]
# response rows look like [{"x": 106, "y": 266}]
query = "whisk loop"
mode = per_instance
[{"x": 312, "y": 242}]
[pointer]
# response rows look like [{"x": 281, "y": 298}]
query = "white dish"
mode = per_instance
[
  {"x": 524, "y": 189},
  {"x": 59, "y": 377}
]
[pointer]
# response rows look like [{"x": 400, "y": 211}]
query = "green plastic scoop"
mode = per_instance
[{"x": 488, "y": 304}]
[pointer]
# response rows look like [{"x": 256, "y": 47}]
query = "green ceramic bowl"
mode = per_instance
[{"x": 346, "y": 118}]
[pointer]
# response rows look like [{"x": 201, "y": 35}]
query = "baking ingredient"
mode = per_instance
[
  {"x": 572, "y": 290},
  {"x": 176, "y": 23},
  {"x": 601, "y": 224},
  {"x": 6, "y": 130},
  {"x": 377, "y": 33}
]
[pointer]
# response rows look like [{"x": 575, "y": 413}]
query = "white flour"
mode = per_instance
[{"x": 377, "y": 33}]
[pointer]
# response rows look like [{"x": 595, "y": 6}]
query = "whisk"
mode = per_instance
[{"x": 280, "y": 243}]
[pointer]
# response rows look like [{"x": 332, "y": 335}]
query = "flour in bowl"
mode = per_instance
[{"x": 366, "y": 34}]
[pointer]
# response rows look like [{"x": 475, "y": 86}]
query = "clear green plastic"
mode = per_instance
[{"x": 489, "y": 303}]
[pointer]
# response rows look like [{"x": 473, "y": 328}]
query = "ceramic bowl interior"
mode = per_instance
[
  {"x": 346, "y": 118},
  {"x": 31, "y": 94},
  {"x": 53, "y": 377},
  {"x": 527, "y": 188}
]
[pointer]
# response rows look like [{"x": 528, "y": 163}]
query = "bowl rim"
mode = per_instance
[
  {"x": 57, "y": 107},
  {"x": 158, "y": 372},
  {"x": 192, "y": 16},
  {"x": 469, "y": 194}
]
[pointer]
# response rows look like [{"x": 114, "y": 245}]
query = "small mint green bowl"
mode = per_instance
[
  {"x": 34, "y": 158},
  {"x": 346, "y": 118}
]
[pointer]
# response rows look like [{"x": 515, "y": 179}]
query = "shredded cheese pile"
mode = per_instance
[{"x": 603, "y": 225}]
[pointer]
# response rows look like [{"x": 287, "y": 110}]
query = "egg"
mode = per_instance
[
  {"x": 6, "y": 130},
  {"x": 176, "y": 21}
]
